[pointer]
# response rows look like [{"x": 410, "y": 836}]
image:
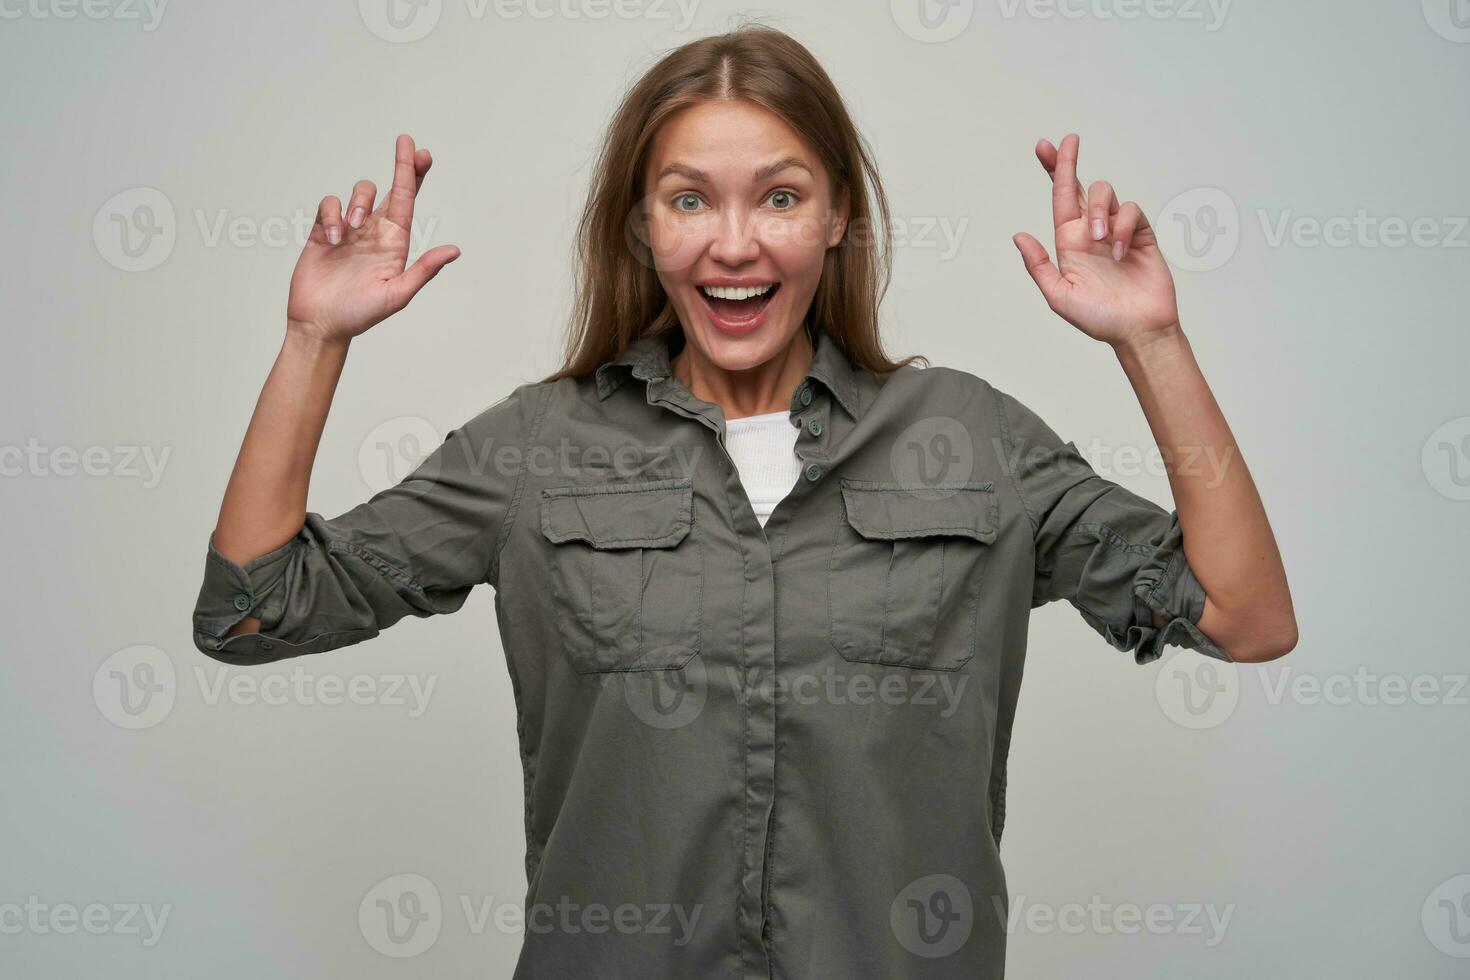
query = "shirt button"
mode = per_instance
[
  {"x": 804, "y": 395},
  {"x": 813, "y": 472},
  {"x": 267, "y": 645},
  {"x": 814, "y": 426},
  {"x": 242, "y": 601}
]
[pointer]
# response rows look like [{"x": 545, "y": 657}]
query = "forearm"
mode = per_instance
[
  {"x": 1227, "y": 537},
  {"x": 264, "y": 504}
]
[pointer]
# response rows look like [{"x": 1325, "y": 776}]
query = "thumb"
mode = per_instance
[
  {"x": 404, "y": 286},
  {"x": 1043, "y": 272}
]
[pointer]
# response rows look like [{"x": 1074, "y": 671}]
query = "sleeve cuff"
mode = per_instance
[
  {"x": 231, "y": 592},
  {"x": 1178, "y": 598}
]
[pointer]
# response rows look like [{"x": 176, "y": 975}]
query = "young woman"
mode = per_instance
[{"x": 763, "y": 592}]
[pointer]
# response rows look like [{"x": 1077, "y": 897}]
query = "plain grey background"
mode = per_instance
[{"x": 1305, "y": 166}]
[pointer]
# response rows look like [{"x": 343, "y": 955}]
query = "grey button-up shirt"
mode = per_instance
[{"x": 749, "y": 752}]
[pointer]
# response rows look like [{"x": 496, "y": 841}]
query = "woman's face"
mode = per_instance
[{"x": 737, "y": 205}]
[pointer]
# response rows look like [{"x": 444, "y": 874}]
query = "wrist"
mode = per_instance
[
  {"x": 1151, "y": 345},
  {"x": 306, "y": 338}
]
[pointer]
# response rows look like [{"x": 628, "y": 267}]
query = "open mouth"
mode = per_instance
[{"x": 738, "y": 308}]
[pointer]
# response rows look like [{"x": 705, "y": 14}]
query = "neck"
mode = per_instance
[{"x": 764, "y": 388}]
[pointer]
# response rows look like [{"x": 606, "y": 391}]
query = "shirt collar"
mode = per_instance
[{"x": 647, "y": 359}]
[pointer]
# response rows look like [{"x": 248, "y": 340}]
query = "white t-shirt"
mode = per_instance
[{"x": 764, "y": 450}]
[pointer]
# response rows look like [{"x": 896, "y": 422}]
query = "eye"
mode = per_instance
[
  {"x": 787, "y": 196},
  {"x": 682, "y": 199}
]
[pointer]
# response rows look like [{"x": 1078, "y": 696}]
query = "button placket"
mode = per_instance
[{"x": 811, "y": 428}]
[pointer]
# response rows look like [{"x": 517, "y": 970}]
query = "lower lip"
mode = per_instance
[{"x": 739, "y": 327}]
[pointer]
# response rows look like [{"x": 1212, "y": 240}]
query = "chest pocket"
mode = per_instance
[
  {"x": 905, "y": 572},
  {"x": 627, "y": 576}
]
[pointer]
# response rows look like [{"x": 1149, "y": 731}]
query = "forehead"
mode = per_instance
[{"x": 727, "y": 140}]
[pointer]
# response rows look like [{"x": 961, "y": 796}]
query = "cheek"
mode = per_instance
[
  {"x": 677, "y": 243},
  {"x": 798, "y": 248}
]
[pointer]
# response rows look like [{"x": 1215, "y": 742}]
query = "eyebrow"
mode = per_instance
[{"x": 699, "y": 176}]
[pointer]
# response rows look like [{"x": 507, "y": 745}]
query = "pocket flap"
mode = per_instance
[
  {"x": 653, "y": 514},
  {"x": 883, "y": 511}
]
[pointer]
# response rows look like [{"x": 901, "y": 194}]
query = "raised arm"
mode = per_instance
[
  {"x": 1112, "y": 283},
  {"x": 350, "y": 276}
]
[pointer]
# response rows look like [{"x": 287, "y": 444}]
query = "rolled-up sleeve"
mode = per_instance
[
  {"x": 417, "y": 548},
  {"x": 1115, "y": 556}
]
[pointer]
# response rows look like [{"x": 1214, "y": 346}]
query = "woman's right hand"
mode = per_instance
[{"x": 351, "y": 273}]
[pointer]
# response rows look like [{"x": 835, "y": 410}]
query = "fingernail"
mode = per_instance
[
  {"x": 1099, "y": 229},
  {"x": 1118, "y": 249},
  {"x": 334, "y": 234},
  {"x": 355, "y": 218}
]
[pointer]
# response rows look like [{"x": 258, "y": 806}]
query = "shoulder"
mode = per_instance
[
  {"x": 939, "y": 389},
  {"x": 975, "y": 401},
  {"x": 515, "y": 416}
]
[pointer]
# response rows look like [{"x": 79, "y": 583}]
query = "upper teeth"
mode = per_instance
[{"x": 737, "y": 292}]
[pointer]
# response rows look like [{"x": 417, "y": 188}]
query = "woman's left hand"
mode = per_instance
[{"x": 1110, "y": 280}]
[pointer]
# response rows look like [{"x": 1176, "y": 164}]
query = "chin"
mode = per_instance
[{"x": 739, "y": 353}]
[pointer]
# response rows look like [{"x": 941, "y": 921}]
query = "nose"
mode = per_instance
[{"x": 734, "y": 239}]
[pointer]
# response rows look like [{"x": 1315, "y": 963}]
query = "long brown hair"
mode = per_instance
[{"x": 619, "y": 297}]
